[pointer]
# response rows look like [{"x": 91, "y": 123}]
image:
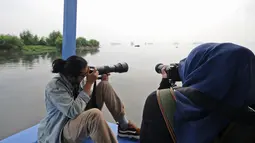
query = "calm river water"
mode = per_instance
[{"x": 23, "y": 79}]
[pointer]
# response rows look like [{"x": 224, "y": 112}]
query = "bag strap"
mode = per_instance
[
  {"x": 167, "y": 105},
  {"x": 243, "y": 115}
]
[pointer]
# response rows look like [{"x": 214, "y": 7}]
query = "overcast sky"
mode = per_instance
[{"x": 127, "y": 20}]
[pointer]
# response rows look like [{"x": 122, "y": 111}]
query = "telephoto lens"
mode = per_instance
[{"x": 117, "y": 68}]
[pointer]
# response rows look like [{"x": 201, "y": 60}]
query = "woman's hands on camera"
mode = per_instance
[
  {"x": 164, "y": 81},
  {"x": 163, "y": 72}
]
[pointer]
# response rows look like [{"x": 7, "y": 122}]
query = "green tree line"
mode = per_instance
[{"x": 54, "y": 39}]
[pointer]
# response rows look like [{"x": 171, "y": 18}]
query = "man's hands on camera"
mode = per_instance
[{"x": 92, "y": 77}]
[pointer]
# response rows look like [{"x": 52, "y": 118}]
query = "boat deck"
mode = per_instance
[{"x": 30, "y": 136}]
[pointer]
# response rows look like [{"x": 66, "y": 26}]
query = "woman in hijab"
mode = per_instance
[{"x": 220, "y": 71}]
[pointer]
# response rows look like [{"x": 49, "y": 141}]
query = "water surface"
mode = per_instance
[{"x": 23, "y": 79}]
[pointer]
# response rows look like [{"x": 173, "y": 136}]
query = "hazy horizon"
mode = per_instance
[{"x": 137, "y": 20}]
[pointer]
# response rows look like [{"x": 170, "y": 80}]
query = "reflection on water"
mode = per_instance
[{"x": 28, "y": 60}]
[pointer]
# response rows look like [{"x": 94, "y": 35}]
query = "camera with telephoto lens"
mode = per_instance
[
  {"x": 118, "y": 68},
  {"x": 171, "y": 71}
]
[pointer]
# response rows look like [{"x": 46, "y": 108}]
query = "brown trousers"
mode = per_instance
[{"x": 91, "y": 122}]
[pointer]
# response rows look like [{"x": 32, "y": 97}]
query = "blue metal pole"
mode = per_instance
[{"x": 69, "y": 28}]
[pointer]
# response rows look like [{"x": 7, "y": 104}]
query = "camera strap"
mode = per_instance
[{"x": 92, "y": 103}]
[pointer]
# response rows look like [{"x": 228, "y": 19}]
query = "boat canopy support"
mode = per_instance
[{"x": 69, "y": 28}]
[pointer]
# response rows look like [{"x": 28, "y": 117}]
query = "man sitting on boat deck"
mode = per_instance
[
  {"x": 71, "y": 115},
  {"x": 213, "y": 103}
]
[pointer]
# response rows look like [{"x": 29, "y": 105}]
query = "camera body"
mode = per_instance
[{"x": 171, "y": 70}]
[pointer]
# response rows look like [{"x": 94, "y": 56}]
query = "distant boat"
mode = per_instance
[
  {"x": 197, "y": 43},
  {"x": 175, "y": 43},
  {"x": 135, "y": 45},
  {"x": 115, "y": 43},
  {"x": 148, "y": 43}
]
